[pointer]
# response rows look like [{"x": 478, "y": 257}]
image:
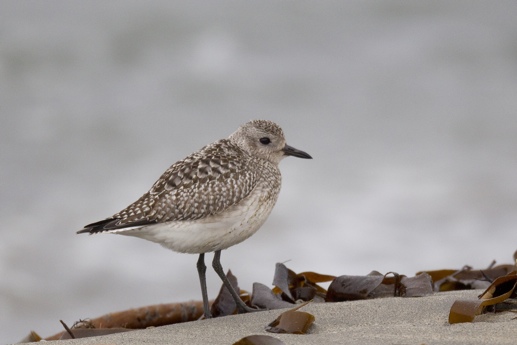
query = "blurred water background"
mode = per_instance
[{"x": 408, "y": 108}]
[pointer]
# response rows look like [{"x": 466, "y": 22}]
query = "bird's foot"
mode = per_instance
[{"x": 245, "y": 309}]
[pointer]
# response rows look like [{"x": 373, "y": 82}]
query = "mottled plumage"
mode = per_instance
[
  {"x": 201, "y": 185},
  {"x": 212, "y": 199}
]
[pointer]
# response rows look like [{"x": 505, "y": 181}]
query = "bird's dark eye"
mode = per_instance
[{"x": 265, "y": 140}]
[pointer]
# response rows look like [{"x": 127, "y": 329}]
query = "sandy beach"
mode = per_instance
[{"x": 379, "y": 321}]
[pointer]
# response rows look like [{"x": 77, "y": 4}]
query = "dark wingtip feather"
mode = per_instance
[
  {"x": 100, "y": 226},
  {"x": 83, "y": 231},
  {"x": 111, "y": 224}
]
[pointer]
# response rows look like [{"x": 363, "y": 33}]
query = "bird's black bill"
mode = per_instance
[{"x": 291, "y": 151}]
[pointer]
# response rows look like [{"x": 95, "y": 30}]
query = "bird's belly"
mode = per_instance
[{"x": 212, "y": 233}]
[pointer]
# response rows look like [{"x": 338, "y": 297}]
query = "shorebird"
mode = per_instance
[{"x": 211, "y": 200}]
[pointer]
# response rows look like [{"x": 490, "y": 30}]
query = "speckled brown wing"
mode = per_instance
[{"x": 203, "y": 184}]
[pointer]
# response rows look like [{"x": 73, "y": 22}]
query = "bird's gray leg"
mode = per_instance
[
  {"x": 201, "y": 270},
  {"x": 216, "y": 264}
]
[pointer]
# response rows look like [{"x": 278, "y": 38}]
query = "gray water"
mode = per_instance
[{"x": 408, "y": 108}]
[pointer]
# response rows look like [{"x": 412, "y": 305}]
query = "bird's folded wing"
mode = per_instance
[{"x": 203, "y": 184}]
